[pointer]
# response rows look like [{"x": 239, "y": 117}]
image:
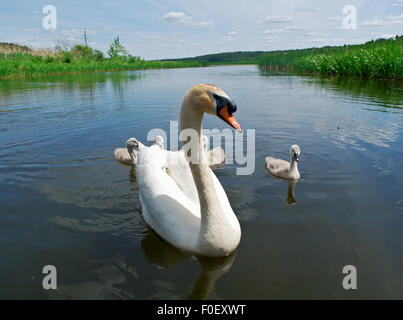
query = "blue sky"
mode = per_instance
[{"x": 156, "y": 29}]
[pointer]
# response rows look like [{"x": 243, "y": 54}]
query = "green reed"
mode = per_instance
[
  {"x": 375, "y": 59},
  {"x": 17, "y": 65}
]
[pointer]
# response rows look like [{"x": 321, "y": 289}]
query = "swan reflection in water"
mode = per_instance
[
  {"x": 290, "y": 194},
  {"x": 291, "y": 200},
  {"x": 161, "y": 253}
]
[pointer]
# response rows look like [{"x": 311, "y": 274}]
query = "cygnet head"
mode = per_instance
[
  {"x": 132, "y": 143},
  {"x": 159, "y": 141},
  {"x": 205, "y": 142},
  {"x": 295, "y": 152}
]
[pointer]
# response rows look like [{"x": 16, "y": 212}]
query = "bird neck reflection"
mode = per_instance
[
  {"x": 162, "y": 254},
  {"x": 290, "y": 194}
]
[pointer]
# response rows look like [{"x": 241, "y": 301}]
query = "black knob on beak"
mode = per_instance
[{"x": 231, "y": 107}]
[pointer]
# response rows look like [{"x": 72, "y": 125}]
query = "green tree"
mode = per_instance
[
  {"x": 79, "y": 51},
  {"x": 116, "y": 49},
  {"x": 98, "y": 55}
]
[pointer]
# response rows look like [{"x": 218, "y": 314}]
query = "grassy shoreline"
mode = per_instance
[
  {"x": 382, "y": 58},
  {"x": 25, "y": 68},
  {"x": 63, "y": 59},
  {"x": 375, "y": 59}
]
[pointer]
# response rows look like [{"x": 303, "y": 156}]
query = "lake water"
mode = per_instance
[{"x": 64, "y": 201}]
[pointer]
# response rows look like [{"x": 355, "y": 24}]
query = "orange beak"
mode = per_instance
[{"x": 230, "y": 119}]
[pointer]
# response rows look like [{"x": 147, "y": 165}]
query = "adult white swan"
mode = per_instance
[{"x": 181, "y": 198}]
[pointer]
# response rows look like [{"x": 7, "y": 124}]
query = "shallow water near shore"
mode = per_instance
[{"x": 64, "y": 201}]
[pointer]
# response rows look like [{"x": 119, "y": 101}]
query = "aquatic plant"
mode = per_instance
[
  {"x": 382, "y": 58},
  {"x": 78, "y": 59}
]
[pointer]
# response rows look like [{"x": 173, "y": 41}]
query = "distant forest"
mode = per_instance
[
  {"x": 237, "y": 57},
  {"x": 277, "y": 57}
]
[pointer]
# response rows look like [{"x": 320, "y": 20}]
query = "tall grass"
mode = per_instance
[
  {"x": 374, "y": 59},
  {"x": 78, "y": 59}
]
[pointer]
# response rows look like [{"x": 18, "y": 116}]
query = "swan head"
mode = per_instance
[
  {"x": 208, "y": 98},
  {"x": 132, "y": 143},
  {"x": 295, "y": 152},
  {"x": 159, "y": 141},
  {"x": 205, "y": 142}
]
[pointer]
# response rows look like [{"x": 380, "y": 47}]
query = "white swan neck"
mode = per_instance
[
  {"x": 212, "y": 215},
  {"x": 190, "y": 119}
]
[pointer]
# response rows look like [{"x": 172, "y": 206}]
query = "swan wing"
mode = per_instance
[
  {"x": 122, "y": 156},
  {"x": 169, "y": 198},
  {"x": 178, "y": 169},
  {"x": 166, "y": 208},
  {"x": 277, "y": 166},
  {"x": 225, "y": 204}
]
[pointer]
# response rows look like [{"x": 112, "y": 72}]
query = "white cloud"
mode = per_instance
[
  {"x": 149, "y": 36},
  {"x": 270, "y": 38},
  {"x": 388, "y": 36},
  {"x": 317, "y": 40},
  {"x": 77, "y": 32},
  {"x": 335, "y": 18},
  {"x": 274, "y": 19},
  {"x": 32, "y": 29},
  {"x": 398, "y": 3},
  {"x": 309, "y": 34},
  {"x": 338, "y": 40},
  {"x": 374, "y": 23},
  {"x": 269, "y": 31},
  {"x": 184, "y": 20},
  {"x": 395, "y": 17},
  {"x": 227, "y": 38},
  {"x": 358, "y": 40},
  {"x": 381, "y": 23},
  {"x": 327, "y": 40},
  {"x": 305, "y": 9}
]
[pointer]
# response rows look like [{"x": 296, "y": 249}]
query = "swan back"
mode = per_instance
[
  {"x": 170, "y": 201},
  {"x": 169, "y": 207},
  {"x": 122, "y": 155}
]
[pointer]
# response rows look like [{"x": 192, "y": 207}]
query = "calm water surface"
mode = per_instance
[{"x": 65, "y": 201}]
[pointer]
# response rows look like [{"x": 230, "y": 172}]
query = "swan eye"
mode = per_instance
[{"x": 221, "y": 102}]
